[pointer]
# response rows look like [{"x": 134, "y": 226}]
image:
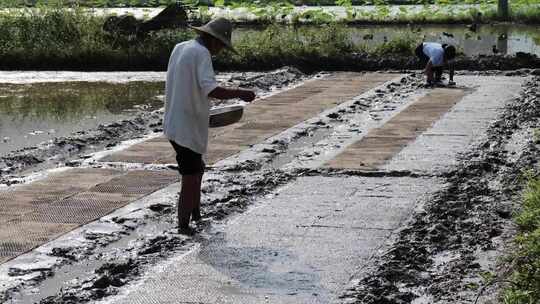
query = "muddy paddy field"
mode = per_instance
[
  {"x": 339, "y": 185},
  {"x": 426, "y": 225}
]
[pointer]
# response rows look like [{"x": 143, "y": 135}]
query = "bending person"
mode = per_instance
[
  {"x": 435, "y": 57},
  {"x": 190, "y": 81}
]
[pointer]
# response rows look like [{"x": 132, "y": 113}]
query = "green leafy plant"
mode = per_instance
[
  {"x": 526, "y": 259},
  {"x": 536, "y": 131},
  {"x": 345, "y": 3},
  {"x": 402, "y": 45}
]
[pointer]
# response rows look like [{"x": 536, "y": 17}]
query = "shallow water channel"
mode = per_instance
[{"x": 31, "y": 113}]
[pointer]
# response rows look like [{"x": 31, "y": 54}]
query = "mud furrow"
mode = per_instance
[
  {"x": 436, "y": 257},
  {"x": 126, "y": 266}
]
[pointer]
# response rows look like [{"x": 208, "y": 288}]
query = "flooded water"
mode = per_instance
[
  {"x": 31, "y": 113},
  {"x": 502, "y": 39},
  {"x": 38, "y": 106},
  {"x": 505, "y": 39}
]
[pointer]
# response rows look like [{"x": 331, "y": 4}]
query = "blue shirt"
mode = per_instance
[{"x": 435, "y": 52}]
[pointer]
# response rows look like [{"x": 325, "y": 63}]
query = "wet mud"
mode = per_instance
[
  {"x": 225, "y": 194},
  {"x": 438, "y": 257},
  {"x": 228, "y": 189},
  {"x": 458, "y": 222},
  {"x": 71, "y": 149}
]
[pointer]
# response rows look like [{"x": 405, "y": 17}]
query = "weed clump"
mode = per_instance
[
  {"x": 403, "y": 45},
  {"x": 525, "y": 287},
  {"x": 278, "y": 46},
  {"x": 57, "y": 38}
]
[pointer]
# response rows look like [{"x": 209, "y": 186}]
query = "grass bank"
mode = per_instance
[
  {"x": 55, "y": 38},
  {"x": 51, "y": 38},
  {"x": 525, "y": 286}
]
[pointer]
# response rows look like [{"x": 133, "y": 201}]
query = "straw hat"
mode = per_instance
[{"x": 220, "y": 29}]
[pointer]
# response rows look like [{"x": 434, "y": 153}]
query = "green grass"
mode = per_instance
[
  {"x": 278, "y": 46},
  {"x": 272, "y": 11},
  {"x": 52, "y": 38},
  {"x": 52, "y": 34},
  {"x": 56, "y": 38},
  {"x": 310, "y": 47},
  {"x": 404, "y": 45},
  {"x": 523, "y": 11},
  {"x": 526, "y": 259}
]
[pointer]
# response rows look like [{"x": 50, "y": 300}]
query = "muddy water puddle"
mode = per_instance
[
  {"x": 33, "y": 113},
  {"x": 501, "y": 39}
]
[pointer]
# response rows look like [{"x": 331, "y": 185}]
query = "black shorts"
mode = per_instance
[{"x": 189, "y": 162}]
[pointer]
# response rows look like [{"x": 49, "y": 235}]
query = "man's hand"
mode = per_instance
[{"x": 246, "y": 95}]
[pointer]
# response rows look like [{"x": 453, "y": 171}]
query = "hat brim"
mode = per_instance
[{"x": 225, "y": 42}]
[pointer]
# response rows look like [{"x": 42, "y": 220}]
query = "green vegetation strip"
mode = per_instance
[
  {"x": 381, "y": 12},
  {"x": 59, "y": 38},
  {"x": 345, "y": 11},
  {"x": 525, "y": 287}
]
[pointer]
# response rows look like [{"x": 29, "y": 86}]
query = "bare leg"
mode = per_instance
[
  {"x": 190, "y": 197},
  {"x": 438, "y": 74},
  {"x": 196, "y": 213}
]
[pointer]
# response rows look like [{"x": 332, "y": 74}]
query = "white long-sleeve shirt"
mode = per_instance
[{"x": 190, "y": 78}]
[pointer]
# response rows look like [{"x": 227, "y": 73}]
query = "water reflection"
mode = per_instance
[
  {"x": 482, "y": 40},
  {"x": 33, "y": 113}
]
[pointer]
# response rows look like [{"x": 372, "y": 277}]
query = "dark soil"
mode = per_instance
[
  {"x": 368, "y": 62},
  {"x": 306, "y": 63}
]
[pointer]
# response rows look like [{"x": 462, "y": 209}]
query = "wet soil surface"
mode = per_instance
[
  {"x": 60, "y": 150},
  {"x": 227, "y": 189},
  {"x": 225, "y": 193},
  {"x": 440, "y": 256},
  {"x": 434, "y": 257},
  {"x": 375, "y": 62}
]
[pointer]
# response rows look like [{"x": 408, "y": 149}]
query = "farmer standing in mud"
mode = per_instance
[
  {"x": 435, "y": 56},
  {"x": 190, "y": 82}
]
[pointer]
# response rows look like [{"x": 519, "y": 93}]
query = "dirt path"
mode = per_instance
[{"x": 299, "y": 211}]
